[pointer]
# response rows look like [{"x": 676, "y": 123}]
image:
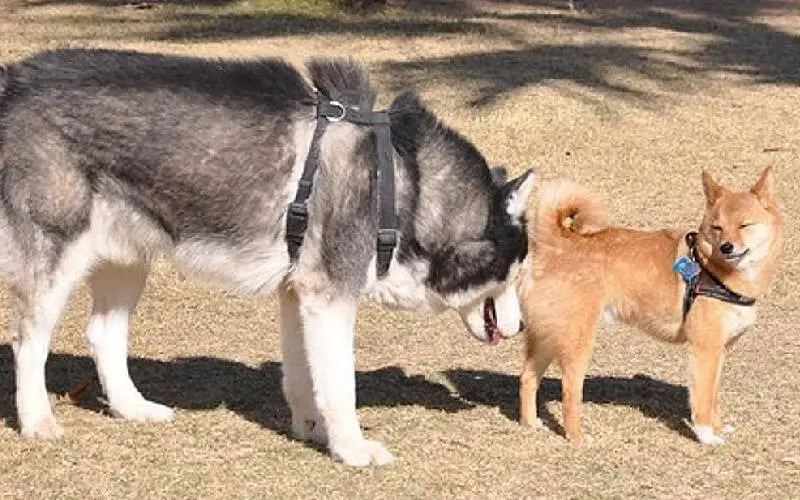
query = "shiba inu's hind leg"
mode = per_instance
[{"x": 574, "y": 353}]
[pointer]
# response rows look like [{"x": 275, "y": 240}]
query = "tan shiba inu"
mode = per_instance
[{"x": 697, "y": 288}]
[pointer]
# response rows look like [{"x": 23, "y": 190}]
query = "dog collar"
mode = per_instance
[{"x": 693, "y": 271}]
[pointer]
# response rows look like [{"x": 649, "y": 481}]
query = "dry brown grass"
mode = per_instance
[{"x": 632, "y": 97}]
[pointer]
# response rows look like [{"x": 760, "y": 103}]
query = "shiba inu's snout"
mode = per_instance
[{"x": 733, "y": 252}]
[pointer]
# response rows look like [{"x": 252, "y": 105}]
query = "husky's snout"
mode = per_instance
[{"x": 495, "y": 317}]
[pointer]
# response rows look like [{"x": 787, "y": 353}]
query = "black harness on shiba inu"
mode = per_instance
[
  {"x": 712, "y": 287},
  {"x": 297, "y": 218}
]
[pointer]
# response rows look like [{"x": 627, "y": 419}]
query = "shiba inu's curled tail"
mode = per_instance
[{"x": 565, "y": 209}]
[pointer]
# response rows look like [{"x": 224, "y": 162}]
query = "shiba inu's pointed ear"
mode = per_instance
[
  {"x": 519, "y": 190},
  {"x": 712, "y": 190},
  {"x": 764, "y": 187}
]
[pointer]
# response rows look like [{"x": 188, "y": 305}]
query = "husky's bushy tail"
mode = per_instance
[
  {"x": 565, "y": 209},
  {"x": 342, "y": 80}
]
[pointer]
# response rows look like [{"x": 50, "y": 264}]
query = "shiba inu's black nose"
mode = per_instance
[
  {"x": 726, "y": 248},
  {"x": 521, "y": 326}
]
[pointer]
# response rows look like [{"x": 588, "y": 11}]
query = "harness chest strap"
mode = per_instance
[
  {"x": 716, "y": 289},
  {"x": 297, "y": 217}
]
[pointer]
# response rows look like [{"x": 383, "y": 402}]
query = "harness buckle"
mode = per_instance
[
  {"x": 296, "y": 222},
  {"x": 387, "y": 239}
]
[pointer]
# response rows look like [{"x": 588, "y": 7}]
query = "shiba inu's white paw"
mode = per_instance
[
  {"x": 533, "y": 423},
  {"x": 47, "y": 428},
  {"x": 361, "y": 453},
  {"x": 143, "y": 410},
  {"x": 728, "y": 429},
  {"x": 705, "y": 434}
]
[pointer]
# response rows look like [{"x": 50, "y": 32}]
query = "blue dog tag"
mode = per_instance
[{"x": 687, "y": 268}]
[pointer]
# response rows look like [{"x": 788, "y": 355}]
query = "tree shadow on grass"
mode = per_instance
[
  {"x": 197, "y": 26},
  {"x": 207, "y": 383},
  {"x": 735, "y": 39},
  {"x": 738, "y": 42},
  {"x": 668, "y": 403}
]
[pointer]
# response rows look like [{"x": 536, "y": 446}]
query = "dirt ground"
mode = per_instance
[{"x": 634, "y": 98}]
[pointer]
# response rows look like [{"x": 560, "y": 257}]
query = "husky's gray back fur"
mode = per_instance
[{"x": 201, "y": 150}]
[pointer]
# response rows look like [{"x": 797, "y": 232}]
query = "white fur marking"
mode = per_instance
[
  {"x": 705, "y": 434},
  {"x": 739, "y": 320},
  {"x": 404, "y": 288},
  {"x": 123, "y": 236},
  {"x": 257, "y": 268},
  {"x": 329, "y": 328},
  {"x": 297, "y": 385},
  {"x": 509, "y": 314},
  {"x": 519, "y": 199},
  {"x": 610, "y": 316},
  {"x": 116, "y": 291},
  {"x": 34, "y": 319}
]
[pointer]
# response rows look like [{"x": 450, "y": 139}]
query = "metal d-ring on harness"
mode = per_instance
[
  {"x": 692, "y": 270},
  {"x": 297, "y": 218}
]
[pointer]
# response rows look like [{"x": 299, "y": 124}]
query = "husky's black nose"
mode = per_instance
[{"x": 726, "y": 248}]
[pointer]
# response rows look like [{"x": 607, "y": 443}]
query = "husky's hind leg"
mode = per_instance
[
  {"x": 115, "y": 292},
  {"x": 38, "y": 300},
  {"x": 297, "y": 386}
]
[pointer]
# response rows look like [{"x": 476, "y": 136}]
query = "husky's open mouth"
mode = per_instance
[{"x": 490, "y": 322}]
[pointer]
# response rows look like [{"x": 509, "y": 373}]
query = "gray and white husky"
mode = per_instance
[{"x": 109, "y": 159}]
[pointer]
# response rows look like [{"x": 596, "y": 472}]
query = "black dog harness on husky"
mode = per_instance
[
  {"x": 297, "y": 218},
  {"x": 716, "y": 288}
]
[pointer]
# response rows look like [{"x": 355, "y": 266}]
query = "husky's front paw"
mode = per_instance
[
  {"x": 705, "y": 434},
  {"x": 47, "y": 428},
  {"x": 308, "y": 429},
  {"x": 361, "y": 453},
  {"x": 142, "y": 410}
]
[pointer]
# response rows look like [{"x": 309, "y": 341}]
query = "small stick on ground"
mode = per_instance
[{"x": 75, "y": 395}]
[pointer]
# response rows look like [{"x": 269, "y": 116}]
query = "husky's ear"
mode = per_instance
[
  {"x": 408, "y": 101},
  {"x": 518, "y": 191},
  {"x": 764, "y": 188},
  {"x": 712, "y": 190},
  {"x": 499, "y": 175}
]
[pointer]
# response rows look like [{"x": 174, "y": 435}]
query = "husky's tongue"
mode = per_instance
[{"x": 490, "y": 321}]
